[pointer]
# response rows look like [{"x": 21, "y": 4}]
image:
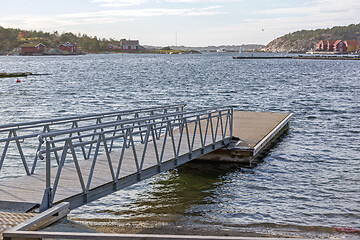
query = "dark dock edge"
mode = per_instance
[
  {"x": 238, "y": 150},
  {"x": 284, "y": 57},
  {"x": 327, "y": 58},
  {"x": 272, "y": 136},
  {"x": 21, "y": 74},
  {"x": 303, "y": 57},
  {"x": 17, "y": 74}
]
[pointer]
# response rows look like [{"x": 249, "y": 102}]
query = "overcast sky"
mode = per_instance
[{"x": 195, "y": 22}]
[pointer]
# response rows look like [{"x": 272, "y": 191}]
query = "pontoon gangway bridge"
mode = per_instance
[{"x": 79, "y": 159}]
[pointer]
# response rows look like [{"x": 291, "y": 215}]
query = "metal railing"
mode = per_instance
[
  {"x": 178, "y": 137},
  {"x": 24, "y": 135}
]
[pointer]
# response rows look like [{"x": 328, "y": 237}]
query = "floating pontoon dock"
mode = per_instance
[
  {"x": 88, "y": 157},
  {"x": 262, "y": 57},
  {"x": 17, "y": 74},
  {"x": 312, "y": 57},
  {"x": 253, "y": 132}
]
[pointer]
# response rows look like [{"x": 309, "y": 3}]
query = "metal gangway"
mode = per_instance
[{"x": 82, "y": 158}]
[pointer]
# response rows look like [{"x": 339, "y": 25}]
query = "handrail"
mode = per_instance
[
  {"x": 17, "y": 126},
  {"x": 184, "y": 115},
  {"x": 116, "y": 123},
  {"x": 181, "y": 130},
  {"x": 19, "y": 132}
]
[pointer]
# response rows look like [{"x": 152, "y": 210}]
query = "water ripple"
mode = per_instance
[{"x": 308, "y": 182}]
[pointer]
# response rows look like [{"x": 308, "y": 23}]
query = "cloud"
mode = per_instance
[
  {"x": 279, "y": 21},
  {"x": 151, "y": 12},
  {"x": 317, "y": 7},
  {"x": 227, "y": 26},
  {"x": 201, "y": 1},
  {"x": 119, "y": 3},
  {"x": 126, "y": 3},
  {"x": 51, "y": 23},
  {"x": 105, "y": 16}
]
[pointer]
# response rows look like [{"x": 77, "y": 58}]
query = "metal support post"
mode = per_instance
[{"x": 46, "y": 201}]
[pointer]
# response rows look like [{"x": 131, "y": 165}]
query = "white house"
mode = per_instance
[{"x": 129, "y": 44}]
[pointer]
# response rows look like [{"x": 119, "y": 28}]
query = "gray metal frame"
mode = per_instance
[
  {"x": 28, "y": 131},
  {"x": 210, "y": 128}
]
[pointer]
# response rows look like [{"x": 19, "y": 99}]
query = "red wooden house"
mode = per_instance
[
  {"x": 325, "y": 45},
  {"x": 330, "y": 44},
  {"x": 339, "y": 46},
  {"x": 322, "y": 45},
  {"x": 32, "y": 48},
  {"x": 69, "y": 46}
]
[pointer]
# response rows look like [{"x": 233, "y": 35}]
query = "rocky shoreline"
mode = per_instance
[
  {"x": 57, "y": 52},
  {"x": 46, "y": 52}
]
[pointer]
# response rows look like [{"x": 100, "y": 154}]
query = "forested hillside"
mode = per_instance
[
  {"x": 11, "y": 38},
  {"x": 305, "y": 40}
]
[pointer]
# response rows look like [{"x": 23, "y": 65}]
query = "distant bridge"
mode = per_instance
[{"x": 82, "y": 158}]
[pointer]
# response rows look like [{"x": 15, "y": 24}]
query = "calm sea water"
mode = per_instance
[{"x": 308, "y": 183}]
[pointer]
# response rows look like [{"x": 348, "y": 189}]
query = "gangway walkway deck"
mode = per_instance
[{"x": 83, "y": 161}]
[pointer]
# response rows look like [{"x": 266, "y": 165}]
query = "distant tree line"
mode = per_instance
[
  {"x": 11, "y": 38},
  {"x": 351, "y": 32}
]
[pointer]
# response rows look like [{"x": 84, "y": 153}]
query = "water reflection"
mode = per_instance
[{"x": 171, "y": 195}]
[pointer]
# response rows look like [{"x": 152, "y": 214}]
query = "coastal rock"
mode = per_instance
[
  {"x": 283, "y": 45},
  {"x": 54, "y": 51}
]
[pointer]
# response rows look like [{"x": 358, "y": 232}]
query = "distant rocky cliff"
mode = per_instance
[
  {"x": 298, "y": 45},
  {"x": 306, "y": 40}
]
